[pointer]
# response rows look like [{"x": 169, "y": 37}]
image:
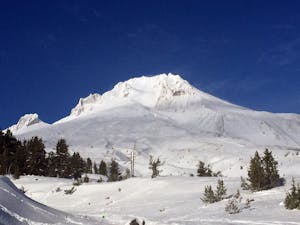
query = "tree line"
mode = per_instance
[{"x": 29, "y": 157}]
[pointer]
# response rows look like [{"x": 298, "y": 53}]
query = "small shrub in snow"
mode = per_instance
[
  {"x": 203, "y": 170},
  {"x": 58, "y": 189},
  {"x": 77, "y": 182},
  {"x": 248, "y": 202},
  {"x": 292, "y": 199},
  {"x": 233, "y": 204},
  {"x": 211, "y": 196},
  {"x": 154, "y": 165},
  {"x": 135, "y": 222},
  {"x": 244, "y": 184},
  {"x": 86, "y": 179},
  {"x": 221, "y": 191},
  {"x": 99, "y": 180},
  {"x": 23, "y": 190},
  {"x": 217, "y": 174},
  {"x": 70, "y": 191}
]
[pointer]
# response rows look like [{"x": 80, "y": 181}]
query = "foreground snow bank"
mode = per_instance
[{"x": 16, "y": 209}]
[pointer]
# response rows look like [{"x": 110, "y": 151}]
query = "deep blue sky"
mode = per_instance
[{"x": 54, "y": 52}]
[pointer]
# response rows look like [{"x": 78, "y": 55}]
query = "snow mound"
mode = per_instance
[{"x": 16, "y": 208}]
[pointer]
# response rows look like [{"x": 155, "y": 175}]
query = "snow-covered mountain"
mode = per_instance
[{"x": 166, "y": 116}]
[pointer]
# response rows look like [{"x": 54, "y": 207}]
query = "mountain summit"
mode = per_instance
[{"x": 160, "y": 92}]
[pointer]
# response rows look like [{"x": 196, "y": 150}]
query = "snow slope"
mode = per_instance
[
  {"x": 173, "y": 200},
  {"x": 17, "y": 209},
  {"x": 165, "y": 116}
]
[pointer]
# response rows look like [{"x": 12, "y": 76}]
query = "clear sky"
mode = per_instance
[{"x": 54, "y": 52}]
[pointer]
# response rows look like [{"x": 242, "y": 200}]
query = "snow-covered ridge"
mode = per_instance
[
  {"x": 161, "y": 92},
  {"x": 28, "y": 120}
]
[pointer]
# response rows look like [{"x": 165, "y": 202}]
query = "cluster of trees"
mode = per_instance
[
  {"x": 211, "y": 196},
  {"x": 206, "y": 171},
  {"x": 30, "y": 158},
  {"x": 263, "y": 172}
]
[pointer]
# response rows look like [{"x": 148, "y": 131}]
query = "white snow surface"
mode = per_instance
[
  {"x": 172, "y": 200},
  {"x": 167, "y": 117}
]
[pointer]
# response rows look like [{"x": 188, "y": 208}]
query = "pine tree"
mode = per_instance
[
  {"x": 96, "y": 170},
  {"x": 292, "y": 199},
  {"x": 103, "y": 168},
  {"x": 270, "y": 170},
  {"x": 233, "y": 204},
  {"x": 16, "y": 174},
  {"x": 36, "y": 163},
  {"x": 114, "y": 173},
  {"x": 256, "y": 173},
  {"x": 52, "y": 165},
  {"x": 77, "y": 165},
  {"x": 63, "y": 159},
  {"x": 89, "y": 166},
  {"x": 154, "y": 165},
  {"x": 8, "y": 149},
  {"x": 221, "y": 191},
  {"x": 209, "y": 195}
]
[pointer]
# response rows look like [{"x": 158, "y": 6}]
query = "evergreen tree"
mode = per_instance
[
  {"x": 221, "y": 191},
  {"x": 114, "y": 173},
  {"x": 256, "y": 173},
  {"x": 16, "y": 174},
  {"x": 154, "y": 165},
  {"x": 36, "y": 163},
  {"x": 203, "y": 171},
  {"x": 103, "y": 168},
  {"x": 63, "y": 159},
  {"x": 89, "y": 166},
  {"x": 233, "y": 204},
  {"x": 8, "y": 149},
  {"x": 263, "y": 173},
  {"x": 77, "y": 165},
  {"x": 52, "y": 165},
  {"x": 20, "y": 159},
  {"x": 270, "y": 170},
  {"x": 292, "y": 199},
  {"x": 209, "y": 195},
  {"x": 96, "y": 170}
]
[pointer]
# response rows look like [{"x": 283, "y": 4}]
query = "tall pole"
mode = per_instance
[
  {"x": 132, "y": 164},
  {"x": 132, "y": 160}
]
